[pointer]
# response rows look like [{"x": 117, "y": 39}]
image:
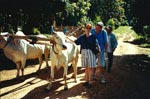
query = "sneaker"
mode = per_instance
[
  {"x": 108, "y": 71},
  {"x": 103, "y": 81},
  {"x": 89, "y": 86},
  {"x": 93, "y": 78},
  {"x": 86, "y": 84}
]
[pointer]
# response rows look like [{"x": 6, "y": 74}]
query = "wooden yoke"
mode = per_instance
[{"x": 32, "y": 38}]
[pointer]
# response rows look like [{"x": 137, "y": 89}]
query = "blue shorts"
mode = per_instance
[{"x": 101, "y": 59}]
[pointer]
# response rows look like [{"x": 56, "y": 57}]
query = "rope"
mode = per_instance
[{"x": 74, "y": 31}]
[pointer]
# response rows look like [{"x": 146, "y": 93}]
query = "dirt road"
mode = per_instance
[{"x": 129, "y": 79}]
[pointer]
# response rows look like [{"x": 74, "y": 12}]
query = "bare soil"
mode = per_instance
[{"x": 129, "y": 79}]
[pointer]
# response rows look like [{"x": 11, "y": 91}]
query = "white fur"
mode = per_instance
[
  {"x": 20, "y": 50},
  {"x": 61, "y": 57}
]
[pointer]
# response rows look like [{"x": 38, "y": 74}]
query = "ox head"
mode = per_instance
[
  {"x": 58, "y": 39},
  {"x": 5, "y": 39},
  {"x": 2, "y": 42}
]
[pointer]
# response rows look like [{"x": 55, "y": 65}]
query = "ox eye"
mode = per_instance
[{"x": 57, "y": 37}]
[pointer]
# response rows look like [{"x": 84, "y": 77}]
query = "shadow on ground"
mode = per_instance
[
  {"x": 7, "y": 64},
  {"x": 43, "y": 74},
  {"x": 140, "y": 42},
  {"x": 129, "y": 79},
  {"x": 135, "y": 63}
]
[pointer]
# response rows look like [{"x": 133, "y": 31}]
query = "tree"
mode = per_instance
[
  {"x": 107, "y": 9},
  {"x": 29, "y": 14},
  {"x": 137, "y": 14},
  {"x": 75, "y": 12}
]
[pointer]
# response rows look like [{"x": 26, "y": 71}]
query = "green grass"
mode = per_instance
[
  {"x": 146, "y": 45},
  {"x": 125, "y": 30}
]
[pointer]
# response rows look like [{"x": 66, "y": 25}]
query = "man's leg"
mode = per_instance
[
  {"x": 110, "y": 61},
  {"x": 102, "y": 66},
  {"x": 93, "y": 73},
  {"x": 102, "y": 69}
]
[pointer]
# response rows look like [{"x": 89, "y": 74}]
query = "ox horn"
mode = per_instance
[
  {"x": 53, "y": 33},
  {"x": 51, "y": 38}
]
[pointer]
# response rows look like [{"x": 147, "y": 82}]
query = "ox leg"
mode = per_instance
[
  {"x": 40, "y": 63},
  {"x": 46, "y": 59},
  {"x": 75, "y": 68},
  {"x": 46, "y": 56},
  {"x": 75, "y": 71},
  {"x": 51, "y": 78},
  {"x": 23, "y": 63},
  {"x": 65, "y": 78},
  {"x": 18, "y": 68}
]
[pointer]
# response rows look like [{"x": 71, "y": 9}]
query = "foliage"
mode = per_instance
[
  {"x": 41, "y": 14},
  {"x": 125, "y": 31},
  {"x": 36, "y": 31},
  {"x": 76, "y": 12},
  {"x": 147, "y": 32},
  {"x": 137, "y": 14},
  {"x": 111, "y": 22},
  {"x": 97, "y": 19},
  {"x": 108, "y": 9},
  {"x": 62, "y": 12}
]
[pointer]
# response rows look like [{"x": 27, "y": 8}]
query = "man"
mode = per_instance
[
  {"x": 65, "y": 30},
  {"x": 112, "y": 44},
  {"x": 19, "y": 31},
  {"x": 101, "y": 36},
  {"x": 51, "y": 29}
]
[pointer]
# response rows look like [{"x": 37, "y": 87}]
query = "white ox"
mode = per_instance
[
  {"x": 20, "y": 50},
  {"x": 61, "y": 57}
]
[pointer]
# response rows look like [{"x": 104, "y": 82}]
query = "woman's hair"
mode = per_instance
[{"x": 88, "y": 26}]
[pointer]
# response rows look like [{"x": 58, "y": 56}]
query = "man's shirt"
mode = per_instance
[{"x": 101, "y": 37}]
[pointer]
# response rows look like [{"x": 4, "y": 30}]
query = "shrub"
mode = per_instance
[
  {"x": 97, "y": 19},
  {"x": 146, "y": 30},
  {"x": 111, "y": 22},
  {"x": 36, "y": 31}
]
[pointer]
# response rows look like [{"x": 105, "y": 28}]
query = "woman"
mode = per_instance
[{"x": 88, "y": 44}]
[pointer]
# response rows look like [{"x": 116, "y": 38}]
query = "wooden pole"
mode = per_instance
[
  {"x": 28, "y": 37},
  {"x": 31, "y": 37}
]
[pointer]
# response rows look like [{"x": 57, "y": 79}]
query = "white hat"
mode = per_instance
[
  {"x": 100, "y": 24},
  {"x": 19, "y": 29}
]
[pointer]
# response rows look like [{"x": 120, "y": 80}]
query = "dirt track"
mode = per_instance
[{"x": 129, "y": 79}]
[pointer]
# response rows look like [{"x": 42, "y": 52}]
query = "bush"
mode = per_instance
[
  {"x": 114, "y": 23},
  {"x": 97, "y": 19},
  {"x": 117, "y": 23},
  {"x": 111, "y": 22},
  {"x": 36, "y": 31},
  {"x": 125, "y": 23},
  {"x": 146, "y": 30},
  {"x": 84, "y": 20}
]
